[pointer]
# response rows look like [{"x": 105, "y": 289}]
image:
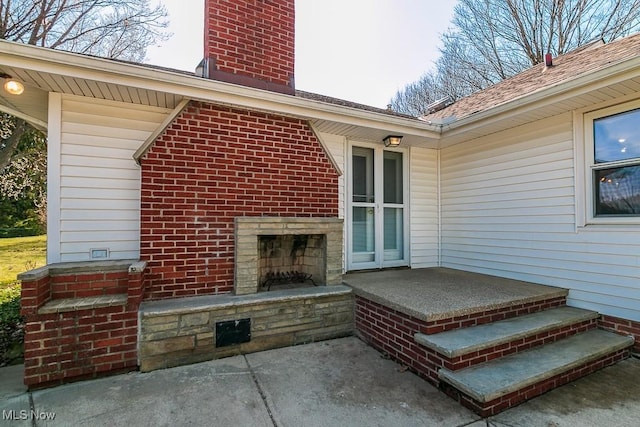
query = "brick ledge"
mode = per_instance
[
  {"x": 82, "y": 267},
  {"x": 87, "y": 303}
]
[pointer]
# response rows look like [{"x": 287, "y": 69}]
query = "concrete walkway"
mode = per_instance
[{"x": 333, "y": 383}]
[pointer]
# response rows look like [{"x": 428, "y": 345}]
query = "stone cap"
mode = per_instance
[
  {"x": 205, "y": 302},
  {"x": 85, "y": 303},
  {"x": 288, "y": 219},
  {"x": 82, "y": 267}
]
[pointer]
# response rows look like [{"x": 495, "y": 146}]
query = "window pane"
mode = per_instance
[
  {"x": 616, "y": 137},
  {"x": 363, "y": 176},
  {"x": 618, "y": 191},
  {"x": 393, "y": 235},
  {"x": 392, "y": 177},
  {"x": 363, "y": 234}
]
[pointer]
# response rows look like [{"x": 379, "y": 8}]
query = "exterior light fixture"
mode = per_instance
[
  {"x": 12, "y": 86},
  {"x": 392, "y": 140}
]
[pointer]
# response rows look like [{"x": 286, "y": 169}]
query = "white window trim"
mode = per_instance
[{"x": 585, "y": 162}]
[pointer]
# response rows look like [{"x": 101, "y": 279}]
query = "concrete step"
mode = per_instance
[
  {"x": 496, "y": 385},
  {"x": 473, "y": 339}
]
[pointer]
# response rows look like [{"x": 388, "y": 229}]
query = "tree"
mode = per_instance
[
  {"x": 118, "y": 29},
  {"x": 492, "y": 40},
  {"x": 23, "y": 183}
]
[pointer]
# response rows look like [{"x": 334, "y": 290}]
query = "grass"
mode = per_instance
[
  {"x": 20, "y": 254},
  {"x": 16, "y": 255}
]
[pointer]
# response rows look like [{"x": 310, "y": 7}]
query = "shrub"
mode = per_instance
[{"x": 11, "y": 324}]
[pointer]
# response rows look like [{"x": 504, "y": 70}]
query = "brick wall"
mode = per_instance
[
  {"x": 392, "y": 332},
  {"x": 251, "y": 42},
  {"x": 89, "y": 285},
  {"x": 79, "y": 344},
  {"x": 622, "y": 326},
  {"x": 81, "y": 320},
  {"x": 211, "y": 165}
]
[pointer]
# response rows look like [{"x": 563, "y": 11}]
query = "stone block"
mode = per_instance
[
  {"x": 284, "y": 327},
  {"x": 246, "y": 289},
  {"x": 148, "y": 364},
  {"x": 159, "y": 335},
  {"x": 168, "y": 345},
  {"x": 204, "y": 340},
  {"x": 194, "y": 319},
  {"x": 218, "y": 312},
  {"x": 193, "y": 330},
  {"x": 204, "y": 336},
  {"x": 338, "y": 319},
  {"x": 154, "y": 320},
  {"x": 160, "y": 327},
  {"x": 323, "y": 334}
]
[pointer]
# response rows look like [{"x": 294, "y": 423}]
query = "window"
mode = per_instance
[{"x": 612, "y": 154}]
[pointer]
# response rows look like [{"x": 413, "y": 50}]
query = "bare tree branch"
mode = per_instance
[{"x": 492, "y": 40}]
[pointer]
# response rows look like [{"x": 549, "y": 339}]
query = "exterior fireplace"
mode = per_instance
[
  {"x": 291, "y": 261},
  {"x": 277, "y": 252}
]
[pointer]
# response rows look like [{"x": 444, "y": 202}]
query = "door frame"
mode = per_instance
[{"x": 378, "y": 262}]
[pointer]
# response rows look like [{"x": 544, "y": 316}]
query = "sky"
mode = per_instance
[{"x": 359, "y": 50}]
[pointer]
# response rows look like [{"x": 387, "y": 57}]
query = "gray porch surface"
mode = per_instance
[
  {"x": 341, "y": 382},
  {"x": 438, "y": 293}
]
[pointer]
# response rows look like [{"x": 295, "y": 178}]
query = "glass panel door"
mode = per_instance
[
  {"x": 363, "y": 206},
  {"x": 377, "y": 211},
  {"x": 393, "y": 206}
]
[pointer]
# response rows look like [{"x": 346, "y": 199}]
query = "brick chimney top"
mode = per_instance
[{"x": 250, "y": 42}]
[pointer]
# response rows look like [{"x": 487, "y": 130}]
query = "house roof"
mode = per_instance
[
  {"x": 45, "y": 70},
  {"x": 577, "y": 81},
  {"x": 582, "y": 61},
  {"x": 351, "y": 104}
]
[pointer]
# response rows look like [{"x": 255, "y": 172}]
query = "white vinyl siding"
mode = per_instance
[
  {"x": 508, "y": 209},
  {"x": 423, "y": 205},
  {"x": 337, "y": 147},
  {"x": 99, "y": 189}
]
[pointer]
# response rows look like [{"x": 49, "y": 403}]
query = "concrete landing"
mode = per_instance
[
  {"x": 468, "y": 340},
  {"x": 438, "y": 293},
  {"x": 499, "y": 377},
  {"x": 342, "y": 381}
]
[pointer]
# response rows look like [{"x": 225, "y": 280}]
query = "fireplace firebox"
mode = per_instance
[{"x": 274, "y": 253}]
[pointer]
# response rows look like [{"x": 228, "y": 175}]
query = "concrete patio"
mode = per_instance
[
  {"x": 431, "y": 294},
  {"x": 340, "y": 382}
]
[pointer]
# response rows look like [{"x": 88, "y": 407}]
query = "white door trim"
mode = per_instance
[{"x": 378, "y": 261}]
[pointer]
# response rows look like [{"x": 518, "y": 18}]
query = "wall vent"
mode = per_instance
[{"x": 232, "y": 332}]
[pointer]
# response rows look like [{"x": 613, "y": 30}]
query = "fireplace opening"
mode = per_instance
[{"x": 291, "y": 261}]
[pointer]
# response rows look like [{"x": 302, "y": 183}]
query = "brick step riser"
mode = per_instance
[
  {"x": 487, "y": 409},
  {"x": 505, "y": 349},
  {"x": 392, "y": 332},
  {"x": 491, "y": 316}
]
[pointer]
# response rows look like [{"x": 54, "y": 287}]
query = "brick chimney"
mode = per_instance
[{"x": 250, "y": 42}]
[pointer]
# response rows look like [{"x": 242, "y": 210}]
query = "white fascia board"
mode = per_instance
[{"x": 201, "y": 89}]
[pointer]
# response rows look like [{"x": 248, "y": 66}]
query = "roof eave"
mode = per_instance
[
  {"x": 201, "y": 89},
  {"x": 616, "y": 72}
]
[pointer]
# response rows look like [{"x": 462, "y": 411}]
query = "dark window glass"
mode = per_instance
[{"x": 617, "y": 191}]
